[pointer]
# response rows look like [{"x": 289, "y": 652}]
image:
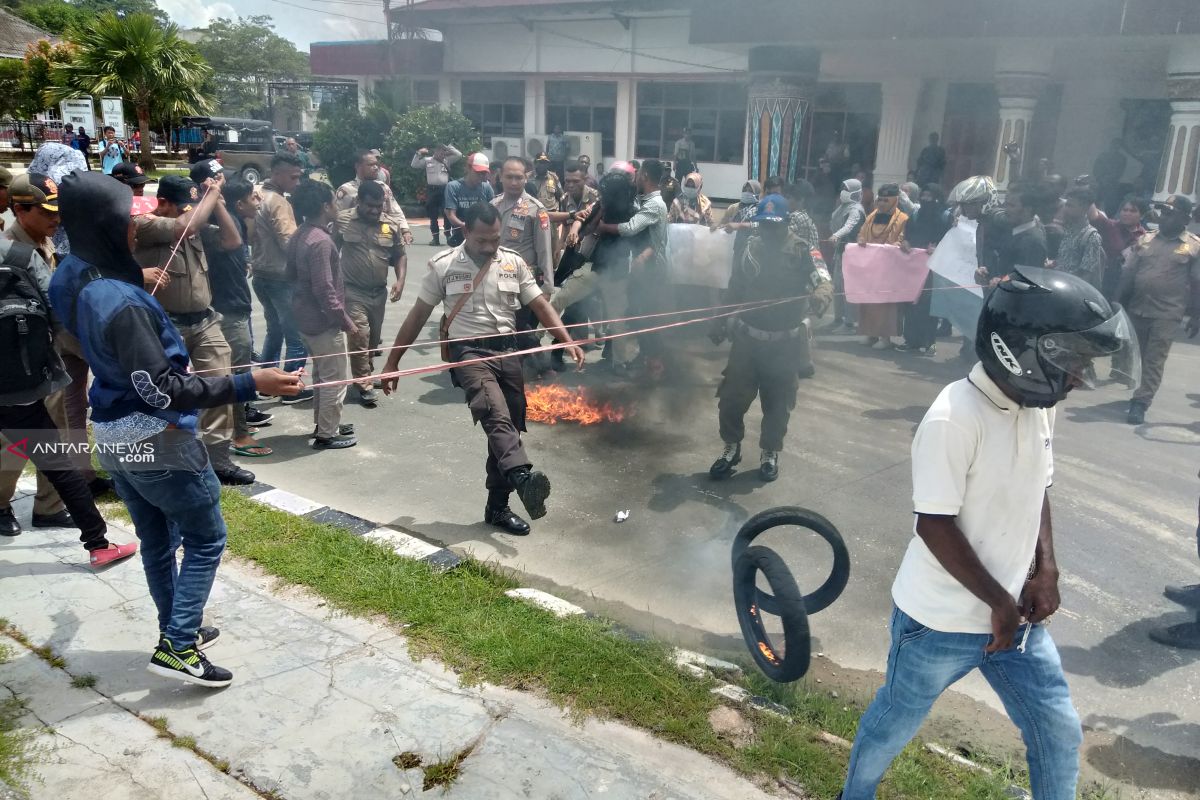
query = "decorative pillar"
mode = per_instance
[
  {"x": 1022, "y": 70},
  {"x": 1177, "y": 170},
  {"x": 897, "y": 115},
  {"x": 782, "y": 79}
]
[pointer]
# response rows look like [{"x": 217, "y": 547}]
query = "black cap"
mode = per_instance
[
  {"x": 1179, "y": 202},
  {"x": 130, "y": 174},
  {"x": 178, "y": 190},
  {"x": 203, "y": 170}
]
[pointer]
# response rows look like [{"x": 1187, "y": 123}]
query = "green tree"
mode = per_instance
[
  {"x": 12, "y": 70},
  {"x": 41, "y": 57},
  {"x": 246, "y": 54},
  {"x": 59, "y": 16},
  {"x": 425, "y": 126},
  {"x": 342, "y": 132},
  {"x": 135, "y": 58}
]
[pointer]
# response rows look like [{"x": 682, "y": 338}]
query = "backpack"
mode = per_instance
[{"x": 26, "y": 333}]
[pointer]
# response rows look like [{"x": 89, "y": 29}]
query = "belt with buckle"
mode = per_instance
[
  {"x": 767, "y": 336},
  {"x": 497, "y": 344},
  {"x": 190, "y": 319}
]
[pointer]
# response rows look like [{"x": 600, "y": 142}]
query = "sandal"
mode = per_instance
[{"x": 255, "y": 450}]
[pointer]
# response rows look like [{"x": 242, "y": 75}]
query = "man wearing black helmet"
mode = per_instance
[
  {"x": 979, "y": 576},
  {"x": 770, "y": 344}
]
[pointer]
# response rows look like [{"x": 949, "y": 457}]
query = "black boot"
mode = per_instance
[
  {"x": 8, "y": 523},
  {"x": 730, "y": 457},
  {"x": 533, "y": 488},
  {"x": 506, "y": 520},
  {"x": 1185, "y": 636},
  {"x": 1137, "y": 414},
  {"x": 1188, "y": 596}
]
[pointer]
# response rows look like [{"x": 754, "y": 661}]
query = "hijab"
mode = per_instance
[
  {"x": 752, "y": 196},
  {"x": 851, "y": 191}
]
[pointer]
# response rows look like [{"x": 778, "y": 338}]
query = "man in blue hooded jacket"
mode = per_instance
[{"x": 144, "y": 413}]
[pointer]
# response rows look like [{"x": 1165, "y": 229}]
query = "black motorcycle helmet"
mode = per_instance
[{"x": 1040, "y": 328}]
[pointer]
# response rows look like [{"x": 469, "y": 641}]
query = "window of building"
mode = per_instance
[
  {"x": 426, "y": 93},
  {"x": 401, "y": 93},
  {"x": 584, "y": 106},
  {"x": 496, "y": 107},
  {"x": 714, "y": 112}
]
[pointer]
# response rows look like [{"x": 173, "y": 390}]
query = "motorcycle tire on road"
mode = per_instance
[
  {"x": 829, "y": 591},
  {"x": 794, "y": 662}
]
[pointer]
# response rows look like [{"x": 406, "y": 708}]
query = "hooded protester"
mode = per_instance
[
  {"x": 923, "y": 232},
  {"x": 846, "y": 222},
  {"x": 144, "y": 401},
  {"x": 691, "y": 207},
  {"x": 879, "y": 322}
]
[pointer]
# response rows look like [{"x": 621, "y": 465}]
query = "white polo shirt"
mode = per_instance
[{"x": 984, "y": 459}]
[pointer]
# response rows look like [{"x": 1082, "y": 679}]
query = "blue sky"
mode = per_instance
[{"x": 319, "y": 20}]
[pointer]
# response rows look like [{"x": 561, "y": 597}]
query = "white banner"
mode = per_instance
[
  {"x": 700, "y": 257},
  {"x": 79, "y": 112},
  {"x": 112, "y": 111},
  {"x": 955, "y": 258}
]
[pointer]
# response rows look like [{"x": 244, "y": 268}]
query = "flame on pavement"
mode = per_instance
[{"x": 552, "y": 403}]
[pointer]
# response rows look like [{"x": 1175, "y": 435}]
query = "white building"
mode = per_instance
[{"x": 767, "y": 85}]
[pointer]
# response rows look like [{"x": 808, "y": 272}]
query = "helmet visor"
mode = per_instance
[{"x": 1112, "y": 346}]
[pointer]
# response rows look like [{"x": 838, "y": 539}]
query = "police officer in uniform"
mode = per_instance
[
  {"x": 183, "y": 216},
  {"x": 550, "y": 192},
  {"x": 481, "y": 285},
  {"x": 768, "y": 343},
  {"x": 525, "y": 228},
  {"x": 1160, "y": 285},
  {"x": 371, "y": 246},
  {"x": 367, "y": 170}
]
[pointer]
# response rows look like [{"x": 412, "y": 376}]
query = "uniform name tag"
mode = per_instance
[
  {"x": 459, "y": 287},
  {"x": 517, "y": 222}
]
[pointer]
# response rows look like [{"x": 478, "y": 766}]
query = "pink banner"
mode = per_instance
[{"x": 883, "y": 273}]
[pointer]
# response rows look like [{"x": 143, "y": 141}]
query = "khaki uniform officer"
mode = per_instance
[
  {"x": 481, "y": 286},
  {"x": 1160, "y": 285},
  {"x": 371, "y": 246},
  {"x": 525, "y": 228},
  {"x": 186, "y": 296}
]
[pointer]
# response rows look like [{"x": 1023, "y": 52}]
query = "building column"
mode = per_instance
[
  {"x": 1022, "y": 70},
  {"x": 1177, "y": 171},
  {"x": 626, "y": 114},
  {"x": 782, "y": 79},
  {"x": 897, "y": 115}
]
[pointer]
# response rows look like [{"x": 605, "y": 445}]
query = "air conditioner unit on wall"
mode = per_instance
[
  {"x": 585, "y": 143},
  {"x": 504, "y": 146},
  {"x": 534, "y": 144}
]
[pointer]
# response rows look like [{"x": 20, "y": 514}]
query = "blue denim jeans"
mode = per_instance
[
  {"x": 923, "y": 663},
  {"x": 180, "y": 506},
  {"x": 275, "y": 294}
]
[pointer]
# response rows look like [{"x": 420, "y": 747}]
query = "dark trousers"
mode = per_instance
[
  {"x": 32, "y": 422},
  {"x": 920, "y": 326},
  {"x": 495, "y": 393},
  {"x": 766, "y": 370},
  {"x": 435, "y": 208},
  {"x": 1155, "y": 337}
]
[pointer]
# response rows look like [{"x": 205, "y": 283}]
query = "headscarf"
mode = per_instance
[
  {"x": 56, "y": 160},
  {"x": 698, "y": 180},
  {"x": 755, "y": 192},
  {"x": 95, "y": 212},
  {"x": 930, "y": 223},
  {"x": 851, "y": 191}
]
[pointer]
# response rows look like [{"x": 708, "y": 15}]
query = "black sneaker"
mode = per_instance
[
  {"x": 257, "y": 417},
  {"x": 188, "y": 665},
  {"x": 345, "y": 429},
  {"x": 1136, "y": 415},
  {"x": 206, "y": 636},
  {"x": 335, "y": 443},
  {"x": 304, "y": 396},
  {"x": 1188, "y": 596},
  {"x": 533, "y": 488},
  {"x": 62, "y": 519},
  {"x": 368, "y": 398}
]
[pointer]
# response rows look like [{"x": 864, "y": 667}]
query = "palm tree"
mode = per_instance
[{"x": 139, "y": 59}]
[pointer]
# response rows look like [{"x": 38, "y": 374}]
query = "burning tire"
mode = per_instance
[
  {"x": 794, "y": 662},
  {"x": 834, "y": 585}
]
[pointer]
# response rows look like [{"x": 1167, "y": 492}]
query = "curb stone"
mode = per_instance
[{"x": 401, "y": 542}]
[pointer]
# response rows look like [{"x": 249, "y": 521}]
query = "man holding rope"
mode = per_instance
[
  {"x": 481, "y": 286},
  {"x": 172, "y": 239}
]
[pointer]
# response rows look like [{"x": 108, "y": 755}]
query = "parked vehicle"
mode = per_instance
[{"x": 245, "y": 146}]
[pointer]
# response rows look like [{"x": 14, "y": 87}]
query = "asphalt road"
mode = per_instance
[{"x": 1124, "y": 504}]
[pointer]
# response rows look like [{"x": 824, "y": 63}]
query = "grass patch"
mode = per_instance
[
  {"x": 16, "y": 757},
  {"x": 83, "y": 681},
  {"x": 407, "y": 761},
  {"x": 464, "y": 619},
  {"x": 445, "y": 773}
]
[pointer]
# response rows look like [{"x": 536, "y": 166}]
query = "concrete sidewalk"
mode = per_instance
[{"x": 320, "y": 706}]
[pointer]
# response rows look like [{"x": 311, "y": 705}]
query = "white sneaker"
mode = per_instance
[{"x": 882, "y": 344}]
